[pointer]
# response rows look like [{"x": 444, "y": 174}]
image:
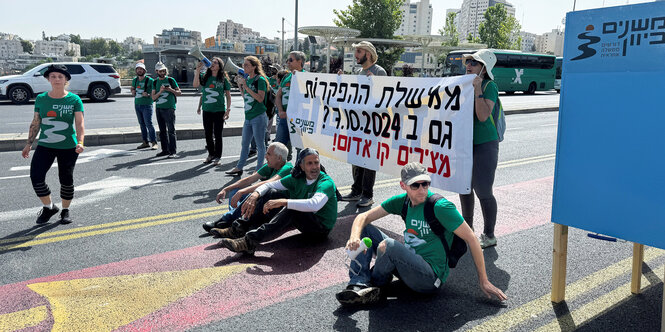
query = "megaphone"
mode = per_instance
[
  {"x": 196, "y": 52},
  {"x": 231, "y": 67}
]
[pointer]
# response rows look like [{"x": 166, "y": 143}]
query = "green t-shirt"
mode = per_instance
[
  {"x": 484, "y": 132},
  {"x": 255, "y": 108},
  {"x": 419, "y": 237},
  {"x": 213, "y": 95},
  {"x": 298, "y": 189},
  {"x": 273, "y": 83},
  {"x": 266, "y": 172},
  {"x": 57, "y": 128},
  {"x": 285, "y": 85},
  {"x": 141, "y": 86},
  {"x": 166, "y": 99}
]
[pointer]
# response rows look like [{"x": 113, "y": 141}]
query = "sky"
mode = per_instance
[{"x": 144, "y": 19}]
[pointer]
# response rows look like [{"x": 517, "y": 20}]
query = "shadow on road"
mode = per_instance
[{"x": 16, "y": 239}]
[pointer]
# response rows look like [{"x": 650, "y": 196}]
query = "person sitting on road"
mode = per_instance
[
  {"x": 306, "y": 200},
  {"x": 275, "y": 169},
  {"x": 420, "y": 262}
]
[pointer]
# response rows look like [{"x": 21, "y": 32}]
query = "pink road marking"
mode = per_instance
[{"x": 284, "y": 269}]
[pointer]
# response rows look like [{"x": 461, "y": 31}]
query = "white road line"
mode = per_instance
[
  {"x": 14, "y": 177},
  {"x": 516, "y": 128},
  {"x": 181, "y": 161},
  {"x": 549, "y": 125}
]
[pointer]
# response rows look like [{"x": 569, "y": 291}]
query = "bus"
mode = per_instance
[
  {"x": 513, "y": 71},
  {"x": 557, "y": 77}
]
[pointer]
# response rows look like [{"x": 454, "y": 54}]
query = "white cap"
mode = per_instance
[
  {"x": 140, "y": 65},
  {"x": 159, "y": 66}
]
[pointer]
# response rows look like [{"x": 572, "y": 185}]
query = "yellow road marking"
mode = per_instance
[
  {"x": 536, "y": 307},
  {"x": 22, "y": 319},
  {"x": 571, "y": 320},
  {"x": 107, "y": 303},
  {"x": 110, "y": 224}
]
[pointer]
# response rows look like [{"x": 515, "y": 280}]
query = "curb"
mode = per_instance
[{"x": 99, "y": 137}]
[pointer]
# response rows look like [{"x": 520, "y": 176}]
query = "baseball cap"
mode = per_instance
[
  {"x": 414, "y": 172},
  {"x": 159, "y": 66},
  {"x": 140, "y": 65}
]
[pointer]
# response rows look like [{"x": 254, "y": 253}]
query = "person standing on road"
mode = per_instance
[
  {"x": 254, "y": 90},
  {"x": 295, "y": 62},
  {"x": 59, "y": 118},
  {"x": 485, "y": 144},
  {"x": 216, "y": 87},
  {"x": 362, "y": 189},
  {"x": 164, "y": 92},
  {"x": 141, "y": 91},
  {"x": 421, "y": 262}
]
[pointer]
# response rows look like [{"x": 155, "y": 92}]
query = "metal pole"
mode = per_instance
[
  {"x": 281, "y": 55},
  {"x": 574, "y": 3},
  {"x": 295, "y": 34}
]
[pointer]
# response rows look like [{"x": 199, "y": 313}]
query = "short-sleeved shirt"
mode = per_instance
[
  {"x": 141, "y": 86},
  {"x": 299, "y": 189},
  {"x": 213, "y": 94},
  {"x": 485, "y": 131},
  {"x": 273, "y": 84},
  {"x": 254, "y": 108},
  {"x": 57, "y": 128},
  {"x": 419, "y": 237},
  {"x": 285, "y": 85},
  {"x": 166, "y": 99},
  {"x": 266, "y": 172},
  {"x": 375, "y": 70}
]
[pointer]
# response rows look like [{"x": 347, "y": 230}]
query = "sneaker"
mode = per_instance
[
  {"x": 487, "y": 241},
  {"x": 207, "y": 226},
  {"x": 143, "y": 145},
  {"x": 226, "y": 233},
  {"x": 251, "y": 153},
  {"x": 209, "y": 159},
  {"x": 162, "y": 154},
  {"x": 357, "y": 295},
  {"x": 154, "y": 146},
  {"x": 365, "y": 201},
  {"x": 216, "y": 161},
  {"x": 172, "y": 156},
  {"x": 241, "y": 245},
  {"x": 351, "y": 197},
  {"x": 64, "y": 217},
  {"x": 45, "y": 214}
]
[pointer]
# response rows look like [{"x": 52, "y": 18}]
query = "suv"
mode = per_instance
[{"x": 95, "y": 80}]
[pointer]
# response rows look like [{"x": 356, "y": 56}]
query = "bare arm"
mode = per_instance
[
  {"x": 228, "y": 104},
  {"x": 242, "y": 183},
  {"x": 359, "y": 224},
  {"x": 80, "y": 131},
  {"x": 483, "y": 106},
  {"x": 197, "y": 72},
  {"x": 278, "y": 100},
  {"x": 32, "y": 134}
]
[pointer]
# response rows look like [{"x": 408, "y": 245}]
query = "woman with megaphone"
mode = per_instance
[
  {"x": 254, "y": 90},
  {"x": 216, "y": 88}
]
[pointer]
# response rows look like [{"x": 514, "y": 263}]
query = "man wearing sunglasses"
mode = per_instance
[
  {"x": 295, "y": 62},
  {"x": 420, "y": 262}
]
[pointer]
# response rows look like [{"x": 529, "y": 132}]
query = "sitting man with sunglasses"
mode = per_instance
[{"x": 421, "y": 261}]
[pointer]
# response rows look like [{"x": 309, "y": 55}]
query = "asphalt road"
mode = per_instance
[
  {"x": 136, "y": 258},
  {"x": 119, "y": 112}
]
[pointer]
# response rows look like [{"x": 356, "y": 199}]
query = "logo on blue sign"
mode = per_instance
[{"x": 586, "y": 50}]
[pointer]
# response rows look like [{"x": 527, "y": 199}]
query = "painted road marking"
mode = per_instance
[
  {"x": 14, "y": 177},
  {"x": 23, "y": 319},
  {"x": 87, "y": 157},
  {"x": 540, "y": 305},
  {"x": 571, "y": 320},
  {"x": 181, "y": 161}
]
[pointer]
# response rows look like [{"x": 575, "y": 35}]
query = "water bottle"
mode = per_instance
[{"x": 365, "y": 243}]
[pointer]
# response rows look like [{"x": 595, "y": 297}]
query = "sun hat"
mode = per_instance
[
  {"x": 159, "y": 66},
  {"x": 484, "y": 56},
  {"x": 140, "y": 65},
  {"x": 57, "y": 68},
  {"x": 367, "y": 46},
  {"x": 414, "y": 172}
]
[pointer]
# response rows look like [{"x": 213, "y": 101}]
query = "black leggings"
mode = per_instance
[
  {"x": 213, "y": 124},
  {"x": 41, "y": 163},
  {"x": 485, "y": 161}
]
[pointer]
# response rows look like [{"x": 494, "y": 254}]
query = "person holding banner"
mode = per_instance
[
  {"x": 362, "y": 189},
  {"x": 216, "y": 87},
  {"x": 254, "y": 90},
  {"x": 421, "y": 261},
  {"x": 485, "y": 144},
  {"x": 295, "y": 63}
]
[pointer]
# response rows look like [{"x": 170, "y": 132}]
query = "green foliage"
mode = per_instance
[
  {"x": 136, "y": 55},
  {"x": 76, "y": 39},
  {"x": 115, "y": 49},
  {"x": 27, "y": 46},
  {"x": 497, "y": 28},
  {"x": 98, "y": 47},
  {"x": 450, "y": 31},
  {"x": 374, "y": 19},
  {"x": 470, "y": 39},
  {"x": 306, "y": 47}
]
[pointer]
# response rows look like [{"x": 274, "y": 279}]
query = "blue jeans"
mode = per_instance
[
  {"x": 144, "y": 114},
  {"x": 254, "y": 128},
  {"x": 282, "y": 135},
  {"x": 166, "y": 122},
  {"x": 232, "y": 214},
  {"x": 397, "y": 259}
]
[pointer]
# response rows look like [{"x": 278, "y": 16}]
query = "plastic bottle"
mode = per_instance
[{"x": 365, "y": 243}]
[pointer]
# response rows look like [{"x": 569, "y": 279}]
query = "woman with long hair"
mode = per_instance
[
  {"x": 59, "y": 117},
  {"x": 254, "y": 90},
  {"x": 216, "y": 88}
]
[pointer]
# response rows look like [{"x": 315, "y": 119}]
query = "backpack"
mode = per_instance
[
  {"x": 171, "y": 83},
  {"x": 269, "y": 100},
  {"x": 458, "y": 248},
  {"x": 498, "y": 117}
]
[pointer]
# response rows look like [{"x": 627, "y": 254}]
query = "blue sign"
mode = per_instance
[{"x": 610, "y": 164}]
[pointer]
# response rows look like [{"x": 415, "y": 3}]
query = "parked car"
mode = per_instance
[{"x": 97, "y": 81}]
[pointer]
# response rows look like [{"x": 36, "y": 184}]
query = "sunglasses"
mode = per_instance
[
  {"x": 290, "y": 60},
  {"x": 472, "y": 62},
  {"x": 417, "y": 185}
]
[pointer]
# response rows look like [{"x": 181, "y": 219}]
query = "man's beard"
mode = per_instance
[
  {"x": 363, "y": 60},
  {"x": 161, "y": 75}
]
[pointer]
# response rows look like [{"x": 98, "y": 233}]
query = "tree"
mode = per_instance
[
  {"x": 27, "y": 46},
  {"x": 450, "y": 31},
  {"x": 533, "y": 48},
  {"x": 306, "y": 47},
  {"x": 98, "y": 47},
  {"x": 498, "y": 27},
  {"x": 115, "y": 48},
  {"x": 374, "y": 19}
]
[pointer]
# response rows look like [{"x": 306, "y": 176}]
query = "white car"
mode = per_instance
[{"x": 94, "y": 80}]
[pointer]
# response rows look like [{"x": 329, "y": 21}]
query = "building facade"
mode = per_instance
[
  {"x": 472, "y": 14},
  {"x": 528, "y": 41},
  {"x": 57, "y": 48},
  {"x": 133, "y": 44},
  {"x": 10, "y": 47},
  {"x": 550, "y": 42},
  {"x": 231, "y": 31},
  {"x": 178, "y": 37},
  {"x": 416, "y": 18}
]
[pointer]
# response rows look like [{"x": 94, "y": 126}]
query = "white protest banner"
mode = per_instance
[{"x": 383, "y": 122}]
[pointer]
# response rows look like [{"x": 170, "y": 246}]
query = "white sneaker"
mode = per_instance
[{"x": 486, "y": 241}]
